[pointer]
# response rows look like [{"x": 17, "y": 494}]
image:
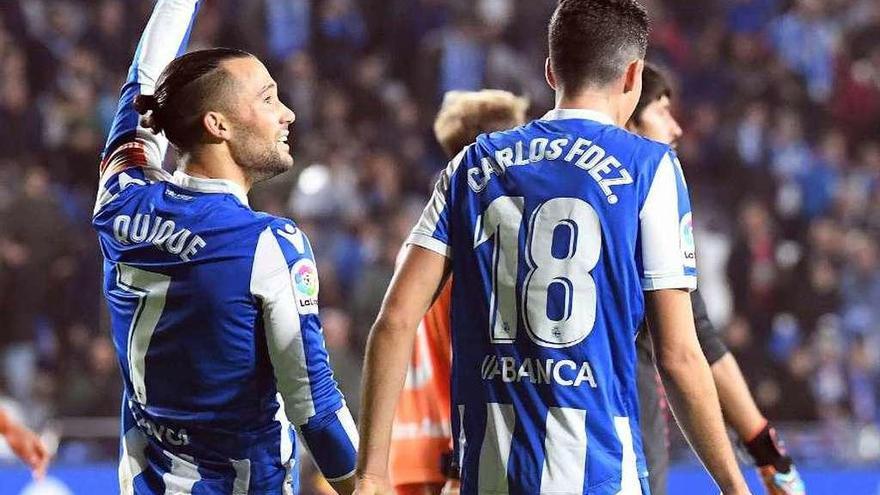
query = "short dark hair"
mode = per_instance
[
  {"x": 654, "y": 86},
  {"x": 190, "y": 86},
  {"x": 592, "y": 41}
]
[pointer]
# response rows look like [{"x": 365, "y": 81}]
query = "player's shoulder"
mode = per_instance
[
  {"x": 287, "y": 236},
  {"x": 496, "y": 140},
  {"x": 125, "y": 181},
  {"x": 644, "y": 151},
  {"x": 284, "y": 248},
  {"x": 489, "y": 144}
]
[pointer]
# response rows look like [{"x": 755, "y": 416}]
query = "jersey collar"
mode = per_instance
[
  {"x": 204, "y": 185},
  {"x": 578, "y": 113}
]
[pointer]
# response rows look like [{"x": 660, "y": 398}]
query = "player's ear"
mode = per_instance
[
  {"x": 217, "y": 126},
  {"x": 632, "y": 79},
  {"x": 548, "y": 74}
]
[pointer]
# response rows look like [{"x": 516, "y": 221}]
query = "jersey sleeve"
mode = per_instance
[
  {"x": 668, "y": 259},
  {"x": 284, "y": 281},
  {"x": 129, "y": 145},
  {"x": 432, "y": 230}
]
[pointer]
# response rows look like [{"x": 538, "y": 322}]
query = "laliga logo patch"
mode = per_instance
[
  {"x": 306, "y": 279},
  {"x": 305, "y": 286},
  {"x": 688, "y": 246}
]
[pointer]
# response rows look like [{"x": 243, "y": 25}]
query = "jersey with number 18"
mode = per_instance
[{"x": 554, "y": 230}]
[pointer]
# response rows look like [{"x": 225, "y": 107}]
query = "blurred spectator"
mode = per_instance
[
  {"x": 806, "y": 39},
  {"x": 820, "y": 180},
  {"x": 35, "y": 249},
  {"x": 860, "y": 288},
  {"x": 340, "y": 37},
  {"x": 288, "y": 24}
]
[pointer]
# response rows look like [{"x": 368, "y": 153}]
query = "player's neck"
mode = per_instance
[
  {"x": 595, "y": 101},
  {"x": 210, "y": 162}
]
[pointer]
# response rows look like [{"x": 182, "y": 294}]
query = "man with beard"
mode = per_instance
[{"x": 213, "y": 306}]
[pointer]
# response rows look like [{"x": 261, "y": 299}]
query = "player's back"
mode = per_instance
[
  {"x": 545, "y": 225},
  {"x": 184, "y": 264}
]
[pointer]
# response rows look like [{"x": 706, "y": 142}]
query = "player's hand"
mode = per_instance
[
  {"x": 451, "y": 487},
  {"x": 367, "y": 485},
  {"x": 777, "y": 483},
  {"x": 28, "y": 447}
]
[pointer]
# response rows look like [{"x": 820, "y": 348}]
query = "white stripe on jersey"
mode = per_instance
[
  {"x": 183, "y": 474},
  {"x": 495, "y": 452},
  {"x": 422, "y": 233},
  {"x": 151, "y": 289},
  {"x": 163, "y": 33},
  {"x": 242, "y": 481},
  {"x": 286, "y": 444},
  {"x": 462, "y": 438},
  {"x": 348, "y": 425},
  {"x": 347, "y": 422},
  {"x": 662, "y": 258},
  {"x": 629, "y": 471},
  {"x": 565, "y": 451},
  {"x": 133, "y": 460},
  {"x": 272, "y": 285}
]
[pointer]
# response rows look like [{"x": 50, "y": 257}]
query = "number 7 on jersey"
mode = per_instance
[{"x": 151, "y": 289}]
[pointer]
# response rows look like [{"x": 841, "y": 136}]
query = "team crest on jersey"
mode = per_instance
[
  {"x": 305, "y": 286},
  {"x": 688, "y": 245}
]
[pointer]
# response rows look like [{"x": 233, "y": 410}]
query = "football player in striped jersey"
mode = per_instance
[
  {"x": 561, "y": 235},
  {"x": 213, "y": 306}
]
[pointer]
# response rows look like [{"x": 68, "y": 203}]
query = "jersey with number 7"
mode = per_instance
[
  {"x": 213, "y": 313},
  {"x": 554, "y": 229}
]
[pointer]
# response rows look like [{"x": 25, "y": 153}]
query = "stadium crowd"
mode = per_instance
[{"x": 779, "y": 101}]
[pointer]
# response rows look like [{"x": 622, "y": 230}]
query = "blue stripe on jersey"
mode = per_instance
[{"x": 325, "y": 435}]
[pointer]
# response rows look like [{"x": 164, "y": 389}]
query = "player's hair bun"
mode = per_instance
[
  {"x": 145, "y": 103},
  {"x": 148, "y": 107}
]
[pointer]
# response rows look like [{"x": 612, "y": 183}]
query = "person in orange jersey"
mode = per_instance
[{"x": 421, "y": 460}]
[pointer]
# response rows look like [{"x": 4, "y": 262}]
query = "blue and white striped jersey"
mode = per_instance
[
  {"x": 214, "y": 316},
  {"x": 554, "y": 229}
]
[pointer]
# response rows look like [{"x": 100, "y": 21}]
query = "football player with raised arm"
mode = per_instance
[
  {"x": 561, "y": 235},
  {"x": 653, "y": 119},
  {"x": 213, "y": 306}
]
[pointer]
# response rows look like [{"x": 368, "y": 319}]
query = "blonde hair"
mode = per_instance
[{"x": 464, "y": 115}]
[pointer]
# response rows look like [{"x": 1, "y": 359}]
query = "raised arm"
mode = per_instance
[{"x": 165, "y": 37}]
